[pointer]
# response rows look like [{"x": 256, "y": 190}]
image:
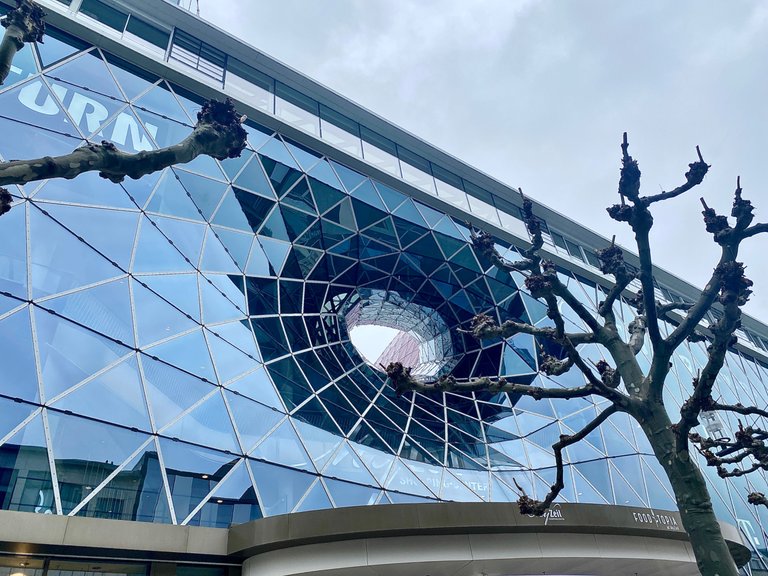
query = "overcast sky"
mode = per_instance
[{"x": 537, "y": 93}]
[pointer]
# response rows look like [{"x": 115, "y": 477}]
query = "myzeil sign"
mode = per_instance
[{"x": 89, "y": 114}]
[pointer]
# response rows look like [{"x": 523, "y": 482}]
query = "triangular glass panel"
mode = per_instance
[
  {"x": 18, "y": 372},
  {"x": 280, "y": 489},
  {"x": 275, "y": 149},
  {"x": 236, "y": 244},
  {"x": 252, "y": 420},
  {"x": 187, "y": 237},
  {"x": 217, "y": 307},
  {"x": 192, "y": 473},
  {"x": 408, "y": 211},
  {"x": 300, "y": 197},
  {"x": 659, "y": 489},
  {"x": 320, "y": 444},
  {"x": 63, "y": 262},
  {"x": 367, "y": 193},
  {"x": 229, "y": 361},
  {"x": 188, "y": 352},
  {"x": 111, "y": 232},
  {"x": 316, "y": 499},
  {"x": 161, "y": 100},
  {"x": 111, "y": 300},
  {"x": 88, "y": 72},
  {"x": 624, "y": 492},
  {"x": 231, "y": 214},
  {"x": 253, "y": 179},
  {"x": 345, "y": 464},
  {"x": 116, "y": 395},
  {"x": 305, "y": 157},
  {"x": 349, "y": 178},
  {"x": 232, "y": 502},
  {"x": 258, "y": 386},
  {"x": 207, "y": 424},
  {"x": 178, "y": 289},
  {"x": 155, "y": 253},
  {"x": 403, "y": 480},
  {"x": 110, "y": 446},
  {"x": 13, "y": 251},
  {"x": 206, "y": 193},
  {"x": 70, "y": 353},
  {"x": 455, "y": 490},
  {"x": 346, "y": 494},
  {"x": 172, "y": 199},
  {"x": 26, "y": 451},
  {"x": 170, "y": 391},
  {"x": 216, "y": 257},
  {"x": 274, "y": 227},
  {"x": 14, "y": 413},
  {"x": 132, "y": 79},
  {"x": 283, "y": 447},
  {"x": 139, "y": 481},
  {"x": 157, "y": 319},
  {"x": 323, "y": 172},
  {"x": 392, "y": 198}
]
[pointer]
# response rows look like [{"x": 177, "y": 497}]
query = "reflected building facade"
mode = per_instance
[{"x": 176, "y": 349}]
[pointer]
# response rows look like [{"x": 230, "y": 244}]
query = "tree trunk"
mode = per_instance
[
  {"x": 12, "y": 42},
  {"x": 711, "y": 551}
]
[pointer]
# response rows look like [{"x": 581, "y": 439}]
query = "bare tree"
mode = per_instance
[
  {"x": 642, "y": 393},
  {"x": 218, "y": 132}
]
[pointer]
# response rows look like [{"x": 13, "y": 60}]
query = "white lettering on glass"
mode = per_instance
[{"x": 88, "y": 114}]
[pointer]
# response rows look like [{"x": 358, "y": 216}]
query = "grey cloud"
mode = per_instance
[{"x": 537, "y": 93}]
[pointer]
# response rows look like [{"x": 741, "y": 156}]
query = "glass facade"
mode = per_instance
[{"x": 176, "y": 349}]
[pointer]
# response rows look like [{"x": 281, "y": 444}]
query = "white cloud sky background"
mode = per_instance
[{"x": 537, "y": 93}]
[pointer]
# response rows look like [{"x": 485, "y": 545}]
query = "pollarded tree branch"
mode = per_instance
[
  {"x": 736, "y": 408},
  {"x": 537, "y": 507},
  {"x": 734, "y": 293},
  {"x": 748, "y": 442},
  {"x": 402, "y": 381},
  {"x": 641, "y": 221},
  {"x": 664, "y": 309},
  {"x": 484, "y": 327},
  {"x": 485, "y": 245},
  {"x": 25, "y": 23},
  {"x": 612, "y": 262},
  {"x": 695, "y": 176},
  {"x": 218, "y": 133},
  {"x": 729, "y": 239}
]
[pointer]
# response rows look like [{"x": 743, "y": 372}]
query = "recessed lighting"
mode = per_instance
[
  {"x": 204, "y": 476},
  {"x": 22, "y": 564},
  {"x": 219, "y": 501}
]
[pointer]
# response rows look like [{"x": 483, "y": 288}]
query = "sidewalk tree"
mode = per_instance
[{"x": 623, "y": 382}]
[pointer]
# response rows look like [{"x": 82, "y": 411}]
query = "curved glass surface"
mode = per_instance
[{"x": 176, "y": 349}]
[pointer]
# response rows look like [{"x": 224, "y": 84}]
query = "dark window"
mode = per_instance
[
  {"x": 148, "y": 32},
  {"x": 296, "y": 98},
  {"x": 242, "y": 70},
  {"x": 559, "y": 241},
  {"x": 339, "y": 120},
  {"x": 574, "y": 249},
  {"x": 104, "y": 14},
  {"x": 478, "y": 192}
]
